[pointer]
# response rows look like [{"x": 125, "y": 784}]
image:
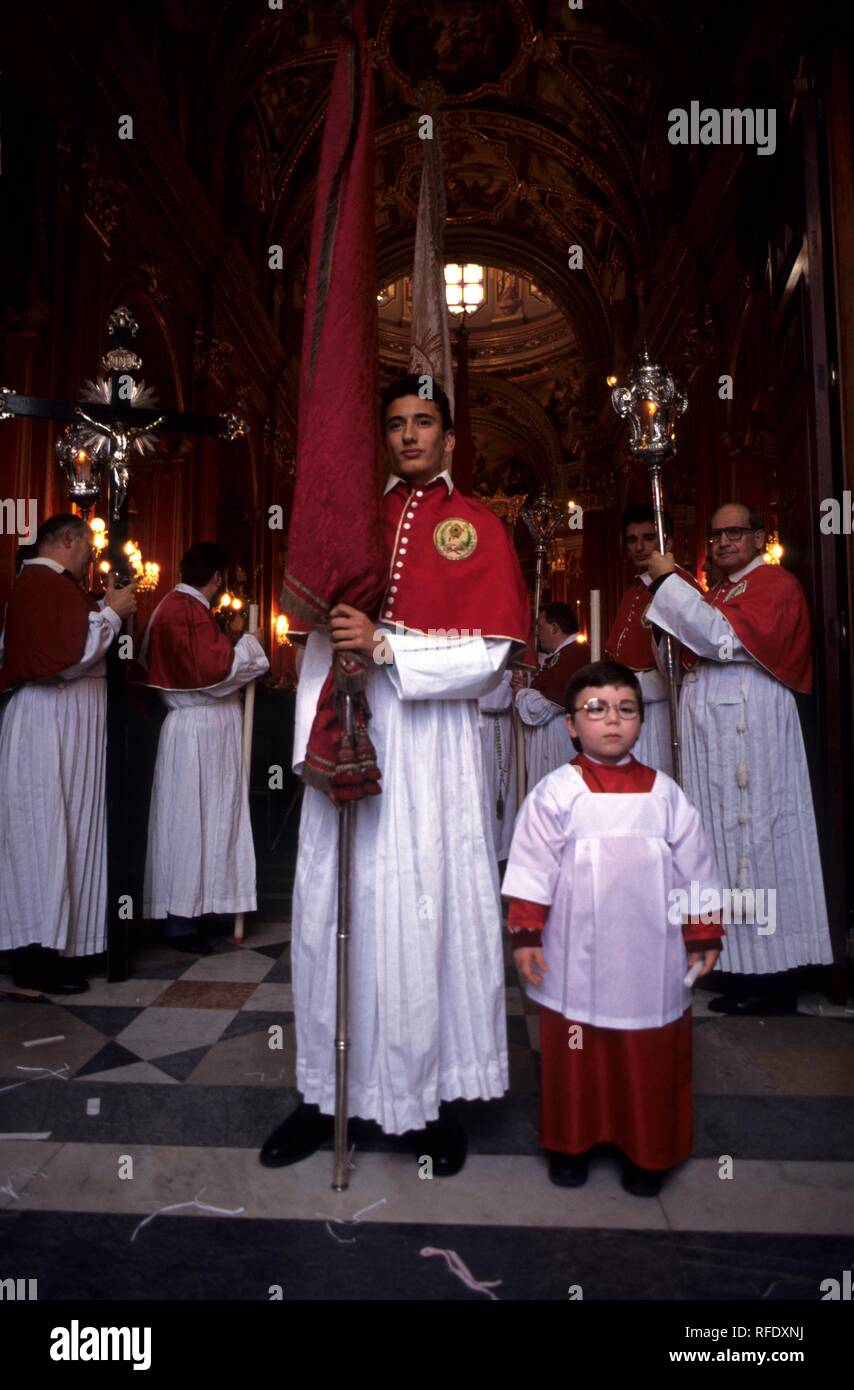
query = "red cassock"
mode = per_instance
[
  {"x": 631, "y": 1088},
  {"x": 47, "y": 620},
  {"x": 767, "y": 611},
  {"x": 184, "y": 647},
  {"x": 556, "y": 671},
  {"x": 630, "y": 639}
]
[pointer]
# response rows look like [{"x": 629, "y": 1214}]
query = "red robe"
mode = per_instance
[
  {"x": 47, "y": 621},
  {"x": 186, "y": 650},
  {"x": 558, "y": 668},
  {"x": 630, "y": 639},
  {"x": 628, "y": 1087},
  {"x": 767, "y": 611}
]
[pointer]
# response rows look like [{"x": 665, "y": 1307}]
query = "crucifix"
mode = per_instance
[{"x": 103, "y": 429}]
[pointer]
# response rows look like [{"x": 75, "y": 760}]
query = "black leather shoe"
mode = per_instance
[
  {"x": 444, "y": 1140},
  {"x": 754, "y": 1005},
  {"x": 641, "y": 1182},
  {"x": 298, "y": 1137},
  {"x": 37, "y": 968},
  {"x": 568, "y": 1170}
]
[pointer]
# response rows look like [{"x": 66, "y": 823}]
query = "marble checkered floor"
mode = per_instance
[{"x": 173, "y": 1070}]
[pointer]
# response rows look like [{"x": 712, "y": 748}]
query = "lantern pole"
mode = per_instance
[{"x": 652, "y": 403}]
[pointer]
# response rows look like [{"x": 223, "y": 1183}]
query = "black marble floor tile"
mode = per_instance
[
  {"x": 111, "y": 1056},
  {"x": 280, "y": 973},
  {"x": 107, "y": 1019},
  {"x": 181, "y": 1064},
  {"x": 783, "y": 1127}
]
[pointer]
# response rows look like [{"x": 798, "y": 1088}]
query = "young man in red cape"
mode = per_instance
[
  {"x": 200, "y": 860},
  {"x": 631, "y": 640},
  {"x": 743, "y": 755},
  {"x": 427, "y": 977}
]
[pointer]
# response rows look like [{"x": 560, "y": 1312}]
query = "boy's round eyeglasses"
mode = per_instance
[{"x": 597, "y": 709}]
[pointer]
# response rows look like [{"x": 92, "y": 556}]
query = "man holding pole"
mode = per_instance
[
  {"x": 426, "y": 999},
  {"x": 201, "y": 858},
  {"x": 744, "y": 761},
  {"x": 631, "y": 639}
]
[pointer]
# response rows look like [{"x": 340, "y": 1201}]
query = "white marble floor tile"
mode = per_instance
[{"x": 160, "y": 1032}]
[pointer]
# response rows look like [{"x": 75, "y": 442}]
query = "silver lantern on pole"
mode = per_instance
[
  {"x": 543, "y": 518},
  {"x": 83, "y": 469},
  {"x": 652, "y": 403}
]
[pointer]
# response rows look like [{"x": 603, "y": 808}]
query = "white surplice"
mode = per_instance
[
  {"x": 53, "y": 828},
  {"x": 427, "y": 1017},
  {"x": 201, "y": 856},
  {"x": 498, "y": 739},
  {"x": 745, "y": 770},
  {"x": 547, "y": 741},
  {"x": 655, "y": 747},
  {"x": 607, "y": 864}
]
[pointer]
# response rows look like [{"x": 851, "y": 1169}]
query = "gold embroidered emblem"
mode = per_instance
[
  {"x": 455, "y": 538},
  {"x": 734, "y": 593}
]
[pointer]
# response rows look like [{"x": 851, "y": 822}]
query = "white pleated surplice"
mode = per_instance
[
  {"x": 738, "y": 725},
  {"x": 427, "y": 1018},
  {"x": 498, "y": 739},
  {"x": 654, "y": 746},
  {"x": 548, "y": 745},
  {"x": 53, "y": 827},
  {"x": 201, "y": 856}
]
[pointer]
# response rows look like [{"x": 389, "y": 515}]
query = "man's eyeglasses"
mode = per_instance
[
  {"x": 597, "y": 709},
  {"x": 732, "y": 533}
]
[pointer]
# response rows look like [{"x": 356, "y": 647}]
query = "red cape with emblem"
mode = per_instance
[
  {"x": 630, "y": 639},
  {"x": 453, "y": 567},
  {"x": 768, "y": 612},
  {"x": 184, "y": 648},
  {"x": 47, "y": 619}
]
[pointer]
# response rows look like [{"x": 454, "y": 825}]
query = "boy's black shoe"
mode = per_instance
[
  {"x": 297, "y": 1137},
  {"x": 641, "y": 1182},
  {"x": 445, "y": 1142},
  {"x": 568, "y": 1170}
]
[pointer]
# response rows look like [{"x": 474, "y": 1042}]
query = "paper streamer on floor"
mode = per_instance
[{"x": 463, "y": 1273}]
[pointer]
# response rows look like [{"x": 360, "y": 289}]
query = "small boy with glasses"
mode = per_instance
[{"x": 603, "y": 851}]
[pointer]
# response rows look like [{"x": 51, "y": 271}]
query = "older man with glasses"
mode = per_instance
[
  {"x": 53, "y": 746},
  {"x": 743, "y": 754}
]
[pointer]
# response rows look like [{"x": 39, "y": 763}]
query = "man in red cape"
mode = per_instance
[
  {"x": 53, "y": 751},
  {"x": 744, "y": 763},
  {"x": 200, "y": 859},
  {"x": 540, "y": 704},
  {"x": 631, "y": 640},
  {"x": 427, "y": 978}
]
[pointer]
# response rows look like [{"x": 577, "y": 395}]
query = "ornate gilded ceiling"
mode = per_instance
[{"x": 553, "y": 136}]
